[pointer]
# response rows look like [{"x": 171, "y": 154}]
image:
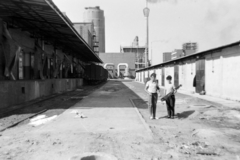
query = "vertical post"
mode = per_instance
[
  {"x": 146, "y": 12},
  {"x": 147, "y": 42},
  {"x": 1, "y": 52},
  {"x": 26, "y": 66}
]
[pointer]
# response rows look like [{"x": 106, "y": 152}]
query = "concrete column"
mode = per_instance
[
  {"x": 1, "y": 52},
  {"x": 26, "y": 65},
  {"x": 61, "y": 70}
]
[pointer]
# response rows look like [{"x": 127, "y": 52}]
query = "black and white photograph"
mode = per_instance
[{"x": 119, "y": 80}]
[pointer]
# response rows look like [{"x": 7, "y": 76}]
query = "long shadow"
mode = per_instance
[{"x": 185, "y": 114}]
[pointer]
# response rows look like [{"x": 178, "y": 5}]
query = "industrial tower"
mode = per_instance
[{"x": 96, "y": 15}]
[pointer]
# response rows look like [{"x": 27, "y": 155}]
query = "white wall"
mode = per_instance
[
  {"x": 150, "y": 72},
  {"x": 169, "y": 71},
  {"x": 187, "y": 72},
  {"x": 231, "y": 73},
  {"x": 146, "y": 74},
  {"x": 223, "y": 73},
  {"x": 159, "y": 75},
  {"x": 213, "y": 72},
  {"x": 142, "y": 77}
]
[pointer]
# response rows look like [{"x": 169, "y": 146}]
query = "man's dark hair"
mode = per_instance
[
  {"x": 169, "y": 78},
  {"x": 153, "y": 75}
]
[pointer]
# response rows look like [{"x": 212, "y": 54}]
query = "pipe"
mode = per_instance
[{"x": 122, "y": 64}]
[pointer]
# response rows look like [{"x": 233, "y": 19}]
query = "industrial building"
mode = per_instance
[
  {"x": 96, "y": 16},
  {"x": 187, "y": 49},
  {"x": 177, "y": 53},
  {"x": 40, "y": 52},
  {"x": 167, "y": 56},
  {"x": 119, "y": 65},
  {"x": 214, "y": 72},
  {"x": 88, "y": 33},
  {"x": 139, "y": 53}
]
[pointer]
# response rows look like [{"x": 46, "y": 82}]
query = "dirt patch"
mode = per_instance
[{"x": 207, "y": 133}]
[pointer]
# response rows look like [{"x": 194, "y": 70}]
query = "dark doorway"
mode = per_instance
[
  {"x": 163, "y": 77},
  {"x": 200, "y": 75},
  {"x": 176, "y": 75}
]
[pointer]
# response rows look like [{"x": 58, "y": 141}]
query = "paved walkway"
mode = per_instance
[{"x": 112, "y": 125}]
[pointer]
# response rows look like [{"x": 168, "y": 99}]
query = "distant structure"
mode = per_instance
[
  {"x": 139, "y": 53},
  {"x": 189, "y": 48},
  {"x": 167, "y": 56},
  {"x": 87, "y": 31},
  {"x": 177, "y": 53},
  {"x": 96, "y": 16},
  {"x": 119, "y": 65}
]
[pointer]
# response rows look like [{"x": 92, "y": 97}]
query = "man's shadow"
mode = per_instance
[{"x": 182, "y": 115}]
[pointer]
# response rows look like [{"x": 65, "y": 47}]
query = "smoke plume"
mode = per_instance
[{"x": 159, "y": 1}]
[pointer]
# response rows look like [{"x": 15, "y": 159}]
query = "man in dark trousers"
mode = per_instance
[
  {"x": 153, "y": 90},
  {"x": 170, "y": 101}
]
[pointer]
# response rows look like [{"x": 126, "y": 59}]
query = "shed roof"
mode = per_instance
[
  {"x": 198, "y": 54},
  {"x": 43, "y": 19}
]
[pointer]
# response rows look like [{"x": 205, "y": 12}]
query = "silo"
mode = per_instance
[{"x": 96, "y": 15}]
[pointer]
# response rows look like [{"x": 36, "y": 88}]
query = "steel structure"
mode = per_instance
[{"x": 42, "y": 19}]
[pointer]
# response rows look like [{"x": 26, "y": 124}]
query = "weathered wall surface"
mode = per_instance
[
  {"x": 223, "y": 73},
  {"x": 16, "y": 92},
  {"x": 187, "y": 72}
]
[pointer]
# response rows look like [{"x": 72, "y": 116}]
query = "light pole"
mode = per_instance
[{"x": 146, "y": 12}]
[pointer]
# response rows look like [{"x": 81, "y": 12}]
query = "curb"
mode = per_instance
[{"x": 142, "y": 119}]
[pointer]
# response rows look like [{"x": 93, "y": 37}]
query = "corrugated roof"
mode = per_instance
[
  {"x": 189, "y": 56},
  {"x": 42, "y": 18}
]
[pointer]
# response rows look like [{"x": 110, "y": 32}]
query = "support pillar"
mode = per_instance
[
  {"x": 2, "y": 64},
  {"x": 27, "y": 66}
]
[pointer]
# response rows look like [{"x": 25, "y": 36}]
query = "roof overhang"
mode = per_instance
[
  {"x": 44, "y": 20},
  {"x": 196, "y": 55}
]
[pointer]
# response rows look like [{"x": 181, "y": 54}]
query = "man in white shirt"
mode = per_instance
[{"x": 152, "y": 88}]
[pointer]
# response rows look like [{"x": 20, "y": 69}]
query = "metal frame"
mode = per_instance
[{"x": 42, "y": 19}]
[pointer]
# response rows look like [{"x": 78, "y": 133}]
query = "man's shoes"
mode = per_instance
[
  {"x": 151, "y": 117},
  {"x": 168, "y": 117}
]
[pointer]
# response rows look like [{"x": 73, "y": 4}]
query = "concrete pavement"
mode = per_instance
[{"x": 111, "y": 125}]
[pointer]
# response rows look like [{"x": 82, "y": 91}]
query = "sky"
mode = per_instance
[{"x": 210, "y": 23}]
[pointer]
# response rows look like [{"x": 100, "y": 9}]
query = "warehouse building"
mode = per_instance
[
  {"x": 40, "y": 51},
  {"x": 215, "y": 71},
  {"x": 139, "y": 52},
  {"x": 177, "y": 53}
]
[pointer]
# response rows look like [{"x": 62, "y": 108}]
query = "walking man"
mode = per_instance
[{"x": 152, "y": 88}]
